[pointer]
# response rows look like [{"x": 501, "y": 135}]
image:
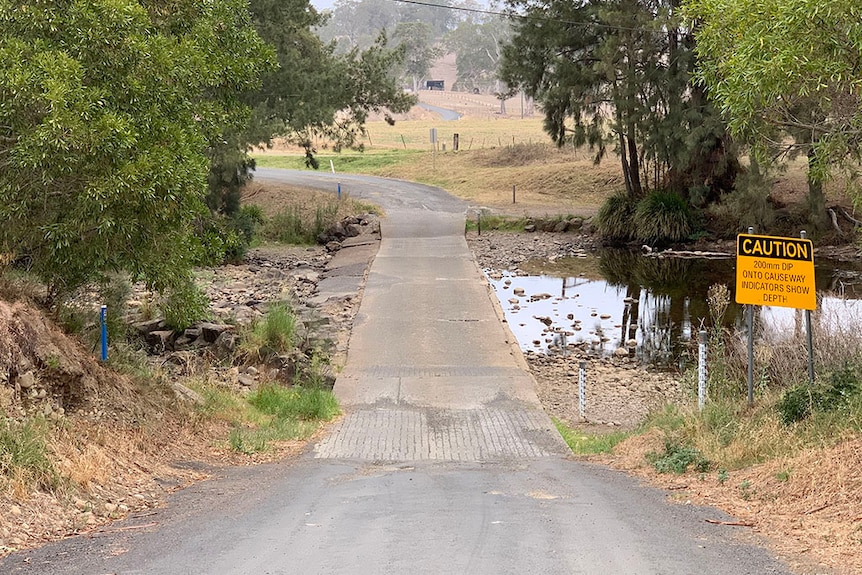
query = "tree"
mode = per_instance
[
  {"x": 416, "y": 39},
  {"x": 106, "y": 111},
  {"x": 478, "y": 45},
  {"x": 786, "y": 67},
  {"x": 617, "y": 72},
  {"x": 313, "y": 91}
]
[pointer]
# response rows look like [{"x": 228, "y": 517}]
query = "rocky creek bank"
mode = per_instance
[{"x": 620, "y": 392}]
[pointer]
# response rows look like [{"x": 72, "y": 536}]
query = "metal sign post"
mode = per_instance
[{"x": 808, "y": 335}]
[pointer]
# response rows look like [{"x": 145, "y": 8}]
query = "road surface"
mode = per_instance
[{"x": 443, "y": 463}]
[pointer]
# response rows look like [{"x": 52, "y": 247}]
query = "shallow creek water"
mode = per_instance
[{"x": 650, "y": 307}]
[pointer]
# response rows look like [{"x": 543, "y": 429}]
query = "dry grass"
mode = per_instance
[
  {"x": 809, "y": 505},
  {"x": 274, "y": 198}
]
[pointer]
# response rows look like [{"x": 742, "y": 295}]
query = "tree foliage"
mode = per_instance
[
  {"x": 106, "y": 111},
  {"x": 314, "y": 91},
  {"x": 478, "y": 46},
  {"x": 618, "y": 73},
  {"x": 779, "y": 67},
  {"x": 417, "y": 42}
]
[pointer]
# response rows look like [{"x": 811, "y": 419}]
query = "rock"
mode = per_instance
[
  {"x": 514, "y": 301},
  {"x": 187, "y": 394},
  {"x": 145, "y": 327},
  {"x": 27, "y": 380},
  {"x": 353, "y": 230},
  {"x": 251, "y": 370},
  {"x": 605, "y": 316},
  {"x": 110, "y": 507},
  {"x": 160, "y": 339},
  {"x": 632, "y": 343},
  {"x": 211, "y": 331},
  {"x": 561, "y": 226},
  {"x": 519, "y": 292},
  {"x": 540, "y": 296},
  {"x": 530, "y": 228},
  {"x": 225, "y": 345},
  {"x": 545, "y": 320},
  {"x": 245, "y": 380},
  {"x": 621, "y": 352}
]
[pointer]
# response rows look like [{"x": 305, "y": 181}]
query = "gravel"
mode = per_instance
[{"x": 620, "y": 392}]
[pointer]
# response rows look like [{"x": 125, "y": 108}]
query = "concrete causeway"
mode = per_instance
[{"x": 431, "y": 372}]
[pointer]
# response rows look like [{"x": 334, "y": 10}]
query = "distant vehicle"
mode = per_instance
[{"x": 435, "y": 85}]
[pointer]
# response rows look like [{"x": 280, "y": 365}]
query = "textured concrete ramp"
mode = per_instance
[
  {"x": 431, "y": 372},
  {"x": 397, "y": 434}
]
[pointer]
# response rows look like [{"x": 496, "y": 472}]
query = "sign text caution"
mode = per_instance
[{"x": 775, "y": 271}]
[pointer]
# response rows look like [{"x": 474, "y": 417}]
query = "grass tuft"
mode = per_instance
[
  {"x": 271, "y": 414},
  {"x": 614, "y": 220},
  {"x": 589, "y": 444},
  {"x": 24, "y": 456},
  {"x": 662, "y": 217},
  {"x": 273, "y": 334}
]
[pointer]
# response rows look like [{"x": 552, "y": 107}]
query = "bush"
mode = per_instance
[
  {"x": 677, "y": 458},
  {"x": 184, "y": 304},
  {"x": 662, "y": 217},
  {"x": 802, "y": 400},
  {"x": 615, "y": 218}
]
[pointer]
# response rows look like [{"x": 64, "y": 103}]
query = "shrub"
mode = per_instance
[
  {"x": 23, "y": 454},
  {"x": 273, "y": 334},
  {"x": 615, "y": 218},
  {"x": 184, "y": 304},
  {"x": 662, "y": 217},
  {"x": 677, "y": 458},
  {"x": 800, "y": 401}
]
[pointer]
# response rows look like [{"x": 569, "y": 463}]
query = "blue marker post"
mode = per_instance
[
  {"x": 103, "y": 321},
  {"x": 339, "y": 190}
]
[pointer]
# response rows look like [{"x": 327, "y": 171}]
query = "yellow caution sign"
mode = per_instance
[{"x": 775, "y": 271}]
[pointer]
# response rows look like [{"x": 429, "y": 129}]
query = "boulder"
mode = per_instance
[{"x": 212, "y": 331}]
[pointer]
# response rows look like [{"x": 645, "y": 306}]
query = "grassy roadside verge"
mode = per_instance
[
  {"x": 786, "y": 467},
  {"x": 544, "y": 177}
]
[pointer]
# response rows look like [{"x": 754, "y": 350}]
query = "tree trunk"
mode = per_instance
[
  {"x": 634, "y": 164},
  {"x": 625, "y": 165},
  {"x": 817, "y": 215}
]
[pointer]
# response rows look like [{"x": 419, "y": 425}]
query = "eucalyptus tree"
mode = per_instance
[
  {"x": 787, "y": 67},
  {"x": 478, "y": 46},
  {"x": 417, "y": 41}
]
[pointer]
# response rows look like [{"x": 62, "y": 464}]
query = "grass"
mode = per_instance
[
  {"x": 494, "y": 156},
  {"x": 295, "y": 215},
  {"x": 271, "y": 335},
  {"x": 589, "y": 444},
  {"x": 347, "y": 162},
  {"x": 24, "y": 459},
  {"x": 271, "y": 414}
]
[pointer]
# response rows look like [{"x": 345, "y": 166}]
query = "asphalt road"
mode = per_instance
[{"x": 443, "y": 463}]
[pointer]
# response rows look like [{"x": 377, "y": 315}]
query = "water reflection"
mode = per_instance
[{"x": 619, "y": 299}]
